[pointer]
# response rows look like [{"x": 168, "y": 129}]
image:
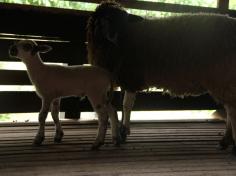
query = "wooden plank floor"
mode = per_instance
[{"x": 153, "y": 149}]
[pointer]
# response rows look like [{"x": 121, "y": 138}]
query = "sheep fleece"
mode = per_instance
[{"x": 185, "y": 55}]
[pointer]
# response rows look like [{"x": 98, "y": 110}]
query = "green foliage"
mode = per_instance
[
  {"x": 205, "y": 3},
  {"x": 90, "y": 6},
  {"x": 4, "y": 117},
  {"x": 232, "y": 4},
  {"x": 55, "y": 3},
  {"x": 1, "y": 65}
]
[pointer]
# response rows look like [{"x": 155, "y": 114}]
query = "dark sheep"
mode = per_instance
[{"x": 185, "y": 55}]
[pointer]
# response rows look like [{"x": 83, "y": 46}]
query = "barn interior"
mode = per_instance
[{"x": 156, "y": 146}]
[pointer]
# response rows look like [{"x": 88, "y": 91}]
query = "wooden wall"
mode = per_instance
[{"x": 65, "y": 31}]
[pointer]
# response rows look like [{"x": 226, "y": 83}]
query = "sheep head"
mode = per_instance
[
  {"x": 106, "y": 21},
  {"x": 24, "y": 49},
  {"x": 105, "y": 32}
]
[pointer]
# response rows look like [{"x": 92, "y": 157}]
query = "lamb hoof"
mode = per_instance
[
  {"x": 38, "y": 140},
  {"x": 116, "y": 141},
  {"x": 96, "y": 145},
  {"x": 58, "y": 137},
  {"x": 124, "y": 131}
]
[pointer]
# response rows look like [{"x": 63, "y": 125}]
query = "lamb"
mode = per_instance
[
  {"x": 185, "y": 55},
  {"x": 53, "y": 82}
]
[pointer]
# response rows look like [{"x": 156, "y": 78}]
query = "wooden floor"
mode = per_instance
[{"x": 153, "y": 149}]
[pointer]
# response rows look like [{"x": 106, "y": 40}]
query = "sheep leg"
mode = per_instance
[
  {"x": 39, "y": 138},
  {"x": 55, "y": 108},
  {"x": 98, "y": 102},
  {"x": 128, "y": 103},
  {"x": 227, "y": 138},
  {"x": 102, "y": 126},
  {"x": 231, "y": 117},
  {"x": 112, "y": 113}
]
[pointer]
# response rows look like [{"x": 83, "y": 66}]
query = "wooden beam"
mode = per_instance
[
  {"x": 19, "y": 102},
  {"x": 24, "y": 102},
  {"x": 223, "y": 5},
  {"x": 44, "y": 21},
  {"x": 157, "y": 101},
  {"x": 164, "y": 7},
  {"x": 15, "y": 102},
  {"x": 157, "y": 6},
  {"x": 42, "y": 9},
  {"x": 14, "y": 77},
  {"x": 62, "y": 52}
]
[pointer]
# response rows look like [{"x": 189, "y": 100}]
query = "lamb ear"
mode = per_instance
[{"x": 44, "y": 48}]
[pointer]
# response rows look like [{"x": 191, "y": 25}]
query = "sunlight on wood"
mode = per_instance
[{"x": 135, "y": 116}]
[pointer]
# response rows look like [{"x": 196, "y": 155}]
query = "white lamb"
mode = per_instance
[{"x": 54, "y": 81}]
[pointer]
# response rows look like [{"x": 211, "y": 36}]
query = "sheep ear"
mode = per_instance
[
  {"x": 112, "y": 38},
  {"x": 44, "y": 48},
  {"x": 106, "y": 31}
]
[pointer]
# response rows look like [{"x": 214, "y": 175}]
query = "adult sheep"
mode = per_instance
[{"x": 186, "y": 55}]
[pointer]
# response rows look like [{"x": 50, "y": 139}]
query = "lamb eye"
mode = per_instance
[{"x": 27, "y": 47}]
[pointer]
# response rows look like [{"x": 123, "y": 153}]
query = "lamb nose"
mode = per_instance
[{"x": 13, "y": 50}]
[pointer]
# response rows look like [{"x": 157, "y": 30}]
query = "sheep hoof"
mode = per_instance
[
  {"x": 58, "y": 137},
  {"x": 38, "y": 140},
  {"x": 234, "y": 150},
  {"x": 97, "y": 145},
  {"x": 223, "y": 144},
  {"x": 124, "y": 131}
]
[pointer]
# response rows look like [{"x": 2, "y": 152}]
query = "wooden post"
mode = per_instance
[
  {"x": 223, "y": 5},
  {"x": 77, "y": 56},
  {"x": 72, "y": 108}
]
